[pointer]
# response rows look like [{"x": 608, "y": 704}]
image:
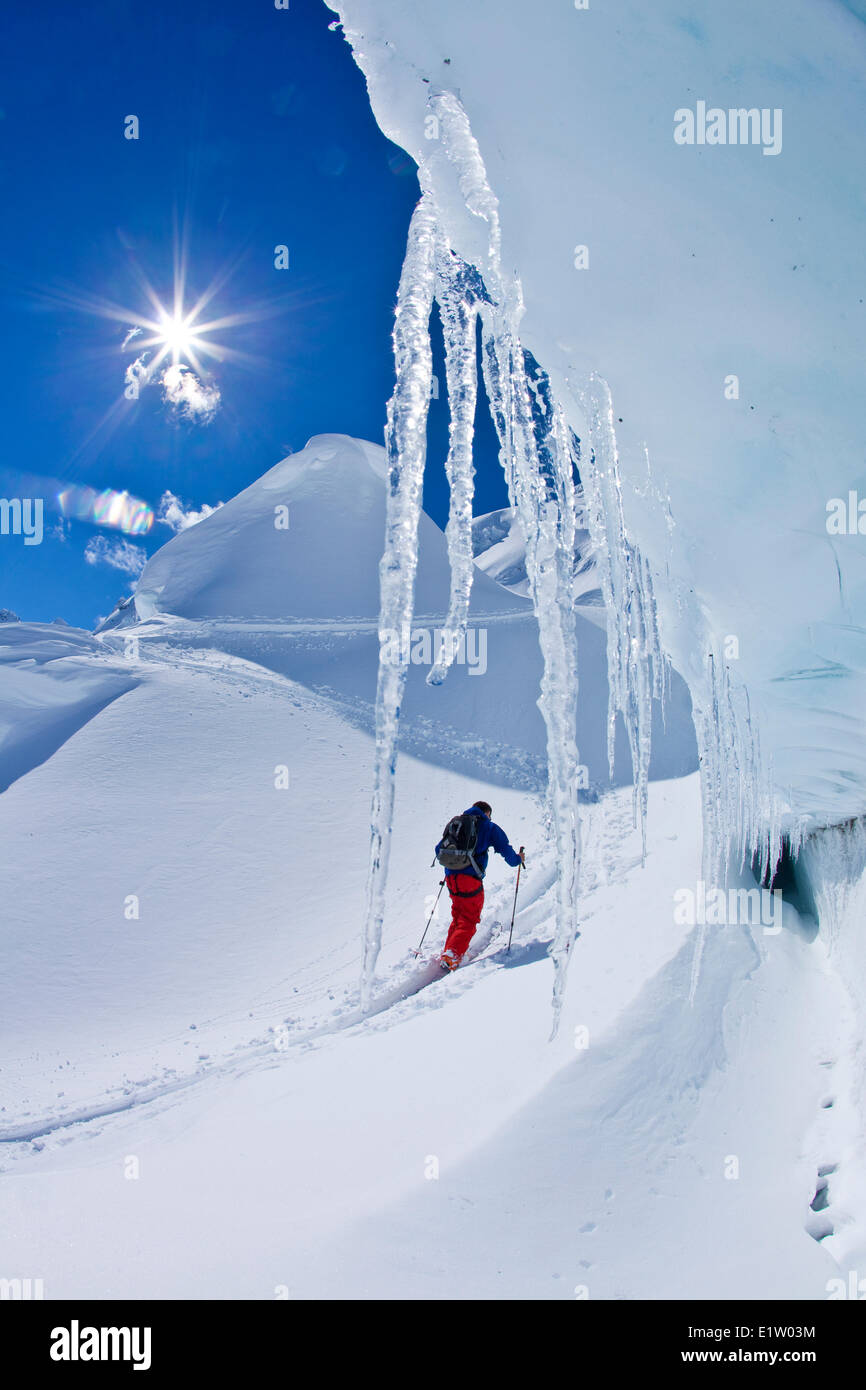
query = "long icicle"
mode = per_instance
[
  {"x": 545, "y": 504},
  {"x": 406, "y": 446},
  {"x": 634, "y": 657},
  {"x": 459, "y": 314}
]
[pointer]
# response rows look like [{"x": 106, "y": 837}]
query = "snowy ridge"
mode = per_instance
[{"x": 500, "y": 552}]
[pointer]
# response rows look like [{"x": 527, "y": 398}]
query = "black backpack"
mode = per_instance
[{"x": 457, "y": 846}]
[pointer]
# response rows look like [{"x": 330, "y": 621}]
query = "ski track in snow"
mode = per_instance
[
  {"x": 419, "y": 735},
  {"x": 397, "y": 996}
]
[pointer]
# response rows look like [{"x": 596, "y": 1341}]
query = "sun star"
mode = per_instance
[
  {"x": 177, "y": 336},
  {"x": 179, "y": 331}
]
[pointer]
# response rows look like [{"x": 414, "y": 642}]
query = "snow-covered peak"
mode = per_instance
[
  {"x": 499, "y": 548},
  {"x": 303, "y": 541}
]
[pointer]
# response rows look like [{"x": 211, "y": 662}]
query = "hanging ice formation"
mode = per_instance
[
  {"x": 637, "y": 668},
  {"x": 552, "y": 486},
  {"x": 740, "y": 811},
  {"x": 406, "y": 445},
  {"x": 541, "y": 486}
]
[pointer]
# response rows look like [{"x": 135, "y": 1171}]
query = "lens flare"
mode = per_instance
[{"x": 116, "y": 510}]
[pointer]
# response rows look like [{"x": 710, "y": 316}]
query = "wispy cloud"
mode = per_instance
[
  {"x": 120, "y": 555},
  {"x": 190, "y": 397},
  {"x": 182, "y": 389},
  {"x": 138, "y": 372},
  {"x": 173, "y": 513}
]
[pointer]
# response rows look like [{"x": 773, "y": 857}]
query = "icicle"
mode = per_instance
[
  {"x": 459, "y": 316},
  {"x": 544, "y": 500},
  {"x": 634, "y": 656},
  {"x": 546, "y": 509},
  {"x": 538, "y": 455},
  {"x": 463, "y": 154},
  {"x": 834, "y": 858},
  {"x": 406, "y": 445},
  {"x": 739, "y": 805}
]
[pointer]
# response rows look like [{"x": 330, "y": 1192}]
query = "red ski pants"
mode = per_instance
[{"x": 467, "y": 900}]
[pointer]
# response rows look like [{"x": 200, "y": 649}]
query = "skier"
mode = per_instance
[{"x": 462, "y": 852}]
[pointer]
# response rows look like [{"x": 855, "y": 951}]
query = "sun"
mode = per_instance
[
  {"x": 180, "y": 330},
  {"x": 178, "y": 337},
  {"x": 176, "y": 334}
]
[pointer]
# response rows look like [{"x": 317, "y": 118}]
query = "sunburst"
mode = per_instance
[
  {"x": 171, "y": 332},
  {"x": 179, "y": 335}
]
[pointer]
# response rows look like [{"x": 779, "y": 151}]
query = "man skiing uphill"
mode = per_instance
[{"x": 462, "y": 852}]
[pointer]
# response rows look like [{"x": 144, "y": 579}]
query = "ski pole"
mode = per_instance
[
  {"x": 432, "y": 915},
  {"x": 514, "y": 908}
]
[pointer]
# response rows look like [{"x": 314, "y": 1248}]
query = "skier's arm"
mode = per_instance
[{"x": 499, "y": 842}]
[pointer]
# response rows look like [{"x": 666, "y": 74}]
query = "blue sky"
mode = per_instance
[{"x": 255, "y": 131}]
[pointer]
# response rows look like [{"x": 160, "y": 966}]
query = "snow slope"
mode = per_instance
[
  {"x": 444, "y": 1148},
  {"x": 704, "y": 263},
  {"x": 53, "y": 682},
  {"x": 193, "y": 1105}
]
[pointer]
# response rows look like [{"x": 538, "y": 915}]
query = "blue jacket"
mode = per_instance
[{"x": 490, "y": 836}]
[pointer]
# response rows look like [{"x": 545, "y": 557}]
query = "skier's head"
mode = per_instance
[{"x": 483, "y": 806}]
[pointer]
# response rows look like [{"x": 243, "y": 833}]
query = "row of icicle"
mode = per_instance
[{"x": 540, "y": 457}]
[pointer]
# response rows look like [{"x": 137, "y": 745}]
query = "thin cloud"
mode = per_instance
[
  {"x": 190, "y": 397},
  {"x": 138, "y": 371},
  {"x": 173, "y": 513},
  {"x": 119, "y": 555}
]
